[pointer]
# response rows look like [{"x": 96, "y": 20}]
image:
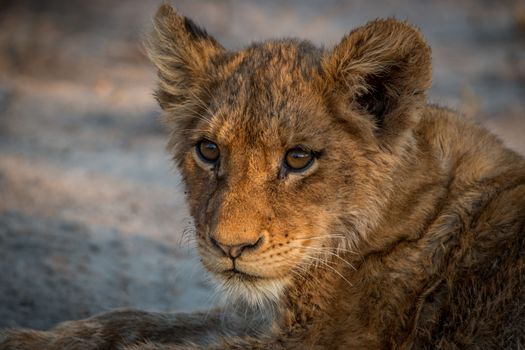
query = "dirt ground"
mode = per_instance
[{"x": 92, "y": 213}]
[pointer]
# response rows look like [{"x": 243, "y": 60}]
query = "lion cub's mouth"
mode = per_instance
[{"x": 238, "y": 274}]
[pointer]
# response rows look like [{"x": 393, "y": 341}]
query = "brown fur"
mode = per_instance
[{"x": 406, "y": 233}]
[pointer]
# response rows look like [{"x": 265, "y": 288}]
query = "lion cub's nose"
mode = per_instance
[{"x": 234, "y": 251}]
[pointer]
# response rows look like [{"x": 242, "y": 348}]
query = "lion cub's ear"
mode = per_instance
[
  {"x": 382, "y": 69},
  {"x": 183, "y": 54}
]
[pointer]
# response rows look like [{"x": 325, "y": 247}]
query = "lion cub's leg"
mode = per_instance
[{"x": 121, "y": 328}]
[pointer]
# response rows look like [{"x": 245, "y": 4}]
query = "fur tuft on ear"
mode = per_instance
[
  {"x": 381, "y": 69},
  {"x": 183, "y": 54}
]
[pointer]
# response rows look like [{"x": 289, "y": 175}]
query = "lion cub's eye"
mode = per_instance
[
  {"x": 297, "y": 159},
  {"x": 208, "y": 151}
]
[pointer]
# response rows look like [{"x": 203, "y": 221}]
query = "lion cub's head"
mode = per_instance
[{"x": 286, "y": 150}]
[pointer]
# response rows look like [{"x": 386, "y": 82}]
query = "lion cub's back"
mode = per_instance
[{"x": 482, "y": 294}]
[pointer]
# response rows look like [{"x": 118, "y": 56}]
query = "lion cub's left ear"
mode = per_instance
[
  {"x": 184, "y": 56},
  {"x": 382, "y": 69}
]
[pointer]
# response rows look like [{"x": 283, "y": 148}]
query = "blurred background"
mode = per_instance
[{"x": 92, "y": 213}]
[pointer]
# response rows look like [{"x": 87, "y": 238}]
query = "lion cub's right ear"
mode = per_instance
[
  {"x": 183, "y": 54},
  {"x": 382, "y": 69}
]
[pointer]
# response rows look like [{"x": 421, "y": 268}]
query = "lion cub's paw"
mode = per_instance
[{"x": 25, "y": 340}]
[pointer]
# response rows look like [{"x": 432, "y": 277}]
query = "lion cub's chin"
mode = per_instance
[{"x": 258, "y": 292}]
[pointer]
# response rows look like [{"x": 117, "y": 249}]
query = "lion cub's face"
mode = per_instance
[
  {"x": 264, "y": 171},
  {"x": 278, "y": 145}
]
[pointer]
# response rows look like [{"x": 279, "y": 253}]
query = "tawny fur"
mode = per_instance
[{"x": 406, "y": 233}]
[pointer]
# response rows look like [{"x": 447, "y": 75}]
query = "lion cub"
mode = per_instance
[{"x": 335, "y": 208}]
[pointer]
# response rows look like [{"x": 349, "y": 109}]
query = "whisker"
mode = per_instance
[
  {"x": 323, "y": 251},
  {"x": 319, "y": 237},
  {"x": 317, "y": 259}
]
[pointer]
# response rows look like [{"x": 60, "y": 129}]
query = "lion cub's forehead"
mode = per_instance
[
  {"x": 276, "y": 60},
  {"x": 268, "y": 93}
]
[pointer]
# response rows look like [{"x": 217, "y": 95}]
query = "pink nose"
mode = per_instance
[{"x": 234, "y": 251}]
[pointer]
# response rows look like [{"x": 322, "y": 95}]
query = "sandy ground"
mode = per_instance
[{"x": 92, "y": 213}]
